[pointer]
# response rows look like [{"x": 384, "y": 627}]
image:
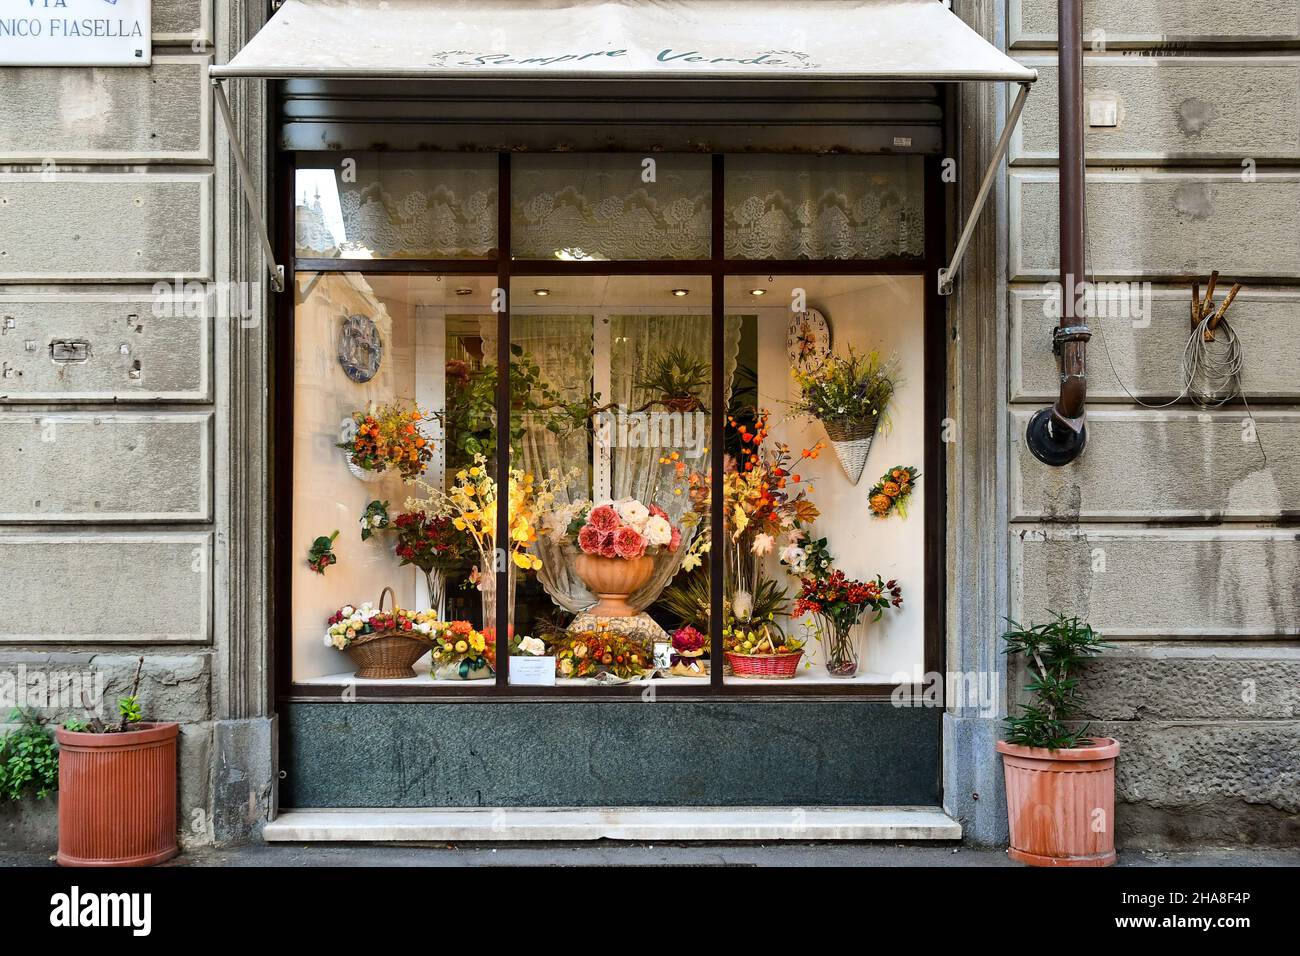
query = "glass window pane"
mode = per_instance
[
  {"x": 824, "y": 477},
  {"x": 824, "y": 207},
  {"x": 611, "y": 382},
  {"x": 610, "y": 206},
  {"x": 375, "y": 205},
  {"x": 392, "y": 367}
]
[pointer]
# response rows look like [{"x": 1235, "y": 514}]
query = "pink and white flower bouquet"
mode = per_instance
[{"x": 624, "y": 529}]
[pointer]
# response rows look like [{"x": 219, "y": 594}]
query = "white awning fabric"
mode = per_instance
[{"x": 864, "y": 40}]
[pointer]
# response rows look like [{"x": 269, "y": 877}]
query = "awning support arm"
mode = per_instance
[
  {"x": 246, "y": 185},
  {"x": 999, "y": 151}
]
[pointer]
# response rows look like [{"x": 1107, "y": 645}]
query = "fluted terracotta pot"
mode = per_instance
[
  {"x": 117, "y": 797},
  {"x": 1061, "y": 803},
  {"x": 613, "y": 580}
]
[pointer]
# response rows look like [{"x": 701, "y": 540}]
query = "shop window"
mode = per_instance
[
  {"x": 824, "y": 207},
  {"x": 610, "y": 207},
  {"x": 614, "y": 390},
  {"x": 372, "y": 205},
  {"x": 400, "y": 359}
]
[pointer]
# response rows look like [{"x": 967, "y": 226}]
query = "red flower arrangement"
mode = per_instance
[
  {"x": 843, "y": 600},
  {"x": 427, "y": 541}
]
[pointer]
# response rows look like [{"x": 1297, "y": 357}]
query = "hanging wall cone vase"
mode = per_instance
[
  {"x": 117, "y": 796},
  {"x": 852, "y": 443},
  {"x": 1061, "y": 803}
]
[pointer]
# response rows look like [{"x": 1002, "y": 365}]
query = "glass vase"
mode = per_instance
[
  {"x": 840, "y": 646},
  {"x": 435, "y": 581},
  {"x": 488, "y": 587}
]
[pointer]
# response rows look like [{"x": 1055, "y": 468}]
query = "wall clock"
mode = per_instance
[
  {"x": 808, "y": 341},
  {"x": 360, "y": 348}
]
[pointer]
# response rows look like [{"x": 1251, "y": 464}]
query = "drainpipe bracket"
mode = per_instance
[{"x": 1069, "y": 333}]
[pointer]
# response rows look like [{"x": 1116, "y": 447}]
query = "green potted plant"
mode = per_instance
[
  {"x": 1060, "y": 780},
  {"x": 117, "y": 788},
  {"x": 29, "y": 762},
  {"x": 678, "y": 378}
]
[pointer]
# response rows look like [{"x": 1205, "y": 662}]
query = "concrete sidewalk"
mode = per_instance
[{"x": 605, "y": 853}]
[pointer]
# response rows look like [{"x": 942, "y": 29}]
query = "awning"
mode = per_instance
[
  {"x": 617, "y": 40},
  {"x": 622, "y": 39}
]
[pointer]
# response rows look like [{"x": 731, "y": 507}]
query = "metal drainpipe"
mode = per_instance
[{"x": 1057, "y": 435}]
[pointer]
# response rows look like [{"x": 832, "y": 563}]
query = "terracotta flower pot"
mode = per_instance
[
  {"x": 613, "y": 580},
  {"x": 1061, "y": 803},
  {"x": 117, "y": 797}
]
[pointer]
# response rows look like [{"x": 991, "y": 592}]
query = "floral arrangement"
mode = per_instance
[
  {"x": 388, "y": 436},
  {"x": 349, "y": 623},
  {"x": 428, "y": 541},
  {"x": 321, "y": 553},
  {"x": 471, "y": 505},
  {"x": 457, "y": 642},
  {"x": 843, "y": 601},
  {"x": 625, "y": 529},
  {"x": 893, "y": 489},
  {"x": 598, "y": 651},
  {"x": 688, "y": 649},
  {"x": 805, "y": 556},
  {"x": 848, "y": 391},
  {"x": 374, "y": 519}
]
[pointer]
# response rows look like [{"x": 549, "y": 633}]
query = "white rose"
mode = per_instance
[
  {"x": 329, "y": 639},
  {"x": 633, "y": 512},
  {"x": 532, "y": 645},
  {"x": 348, "y": 610},
  {"x": 658, "y": 531},
  {"x": 796, "y": 557}
]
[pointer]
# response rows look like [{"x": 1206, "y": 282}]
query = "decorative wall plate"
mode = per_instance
[
  {"x": 360, "y": 348},
  {"x": 808, "y": 341}
]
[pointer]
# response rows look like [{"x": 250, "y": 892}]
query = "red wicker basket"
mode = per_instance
[{"x": 764, "y": 666}]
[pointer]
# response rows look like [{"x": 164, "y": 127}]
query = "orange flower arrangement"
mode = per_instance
[
  {"x": 893, "y": 489},
  {"x": 389, "y": 437}
]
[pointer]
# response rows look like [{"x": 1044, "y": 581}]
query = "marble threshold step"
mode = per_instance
[{"x": 640, "y": 824}]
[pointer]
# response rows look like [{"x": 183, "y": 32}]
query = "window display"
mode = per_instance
[{"x": 603, "y": 572}]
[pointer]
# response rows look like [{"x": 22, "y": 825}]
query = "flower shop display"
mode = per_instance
[
  {"x": 117, "y": 788},
  {"x": 759, "y": 649},
  {"x": 462, "y": 653},
  {"x": 688, "y": 649},
  {"x": 893, "y": 490},
  {"x": 678, "y": 378},
  {"x": 388, "y": 436},
  {"x": 321, "y": 553},
  {"x": 598, "y": 652},
  {"x": 805, "y": 556},
  {"x": 383, "y": 644},
  {"x": 850, "y": 396},
  {"x": 618, "y": 542},
  {"x": 374, "y": 519},
  {"x": 1060, "y": 779},
  {"x": 839, "y": 603}
]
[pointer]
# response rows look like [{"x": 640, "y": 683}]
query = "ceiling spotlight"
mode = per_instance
[
  {"x": 758, "y": 292},
  {"x": 464, "y": 291},
  {"x": 681, "y": 292},
  {"x": 541, "y": 292}
]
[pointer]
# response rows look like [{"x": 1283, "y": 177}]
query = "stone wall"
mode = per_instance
[
  {"x": 116, "y": 485},
  {"x": 1172, "y": 534}
]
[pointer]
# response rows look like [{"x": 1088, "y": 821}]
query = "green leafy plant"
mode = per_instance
[
  {"x": 29, "y": 761},
  {"x": 1054, "y": 653},
  {"x": 678, "y": 377},
  {"x": 848, "y": 390}
]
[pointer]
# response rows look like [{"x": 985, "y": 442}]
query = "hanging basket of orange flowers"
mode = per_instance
[{"x": 388, "y": 436}]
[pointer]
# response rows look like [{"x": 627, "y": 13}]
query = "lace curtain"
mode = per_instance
[
  {"x": 824, "y": 207},
  {"x": 399, "y": 206},
  {"x": 600, "y": 206},
  {"x": 562, "y": 348}
]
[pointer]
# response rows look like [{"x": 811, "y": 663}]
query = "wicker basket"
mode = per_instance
[
  {"x": 852, "y": 443},
  {"x": 387, "y": 655},
  {"x": 764, "y": 666}
]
